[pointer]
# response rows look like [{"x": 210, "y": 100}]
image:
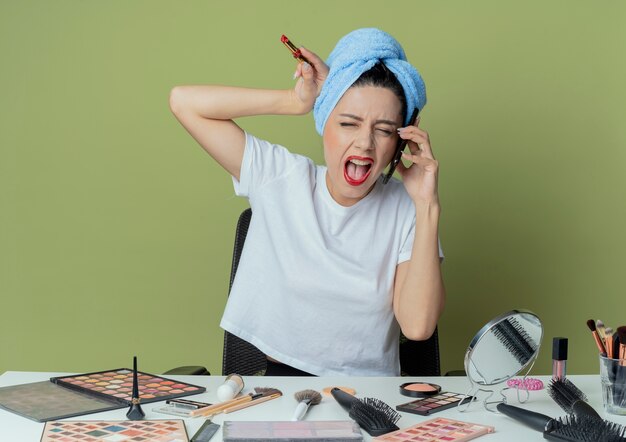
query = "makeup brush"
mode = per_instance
[
  {"x": 264, "y": 394},
  {"x": 601, "y": 329},
  {"x": 608, "y": 342},
  {"x": 569, "y": 397},
  {"x": 616, "y": 344},
  {"x": 373, "y": 415},
  {"x": 515, "y": 338},
  {"x": 135, "y": 413},
  {"x": 592, "y": 326},
  {"x": 621, "y": 334},
  {"x": 220, "y": 407},
  {"x": 305, "y": 399}
]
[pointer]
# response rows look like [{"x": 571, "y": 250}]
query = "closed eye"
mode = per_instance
[{"x": 347, "y": 124}]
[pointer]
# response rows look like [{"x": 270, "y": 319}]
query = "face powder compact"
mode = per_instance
[{"x": 419, "y": 389}]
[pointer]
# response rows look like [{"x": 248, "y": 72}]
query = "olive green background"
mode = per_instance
[{"x": 116, "y": 229}]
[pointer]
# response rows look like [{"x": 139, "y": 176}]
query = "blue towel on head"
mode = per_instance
[{"x": 356, "y": 53}]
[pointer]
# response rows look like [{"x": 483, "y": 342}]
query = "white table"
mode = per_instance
[{"x": 15, "y": 428}]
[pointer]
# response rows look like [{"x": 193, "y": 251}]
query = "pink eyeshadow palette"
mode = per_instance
[
  {"x": 118, "y": 385},
  {"x": 115, "y": 431},
  {"x": 438, "y": 430},
  {"x": 429, "y": 405}
]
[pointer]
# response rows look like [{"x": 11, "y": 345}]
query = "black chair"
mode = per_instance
[{"x": 417, "y": 358}]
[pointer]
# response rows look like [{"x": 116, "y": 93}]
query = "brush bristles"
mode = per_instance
[
  {"x": 515, "y": 338},
  {"x": 374, "y": 416},
  {"x": 585, "y": 429},
  {"x": 591, "y": 324},
  {"x": 565, "y": 393},
  {"x": 267, "y": 391},
  {"x": 608, "y": 331},
  {"x": 621, "y": 334},
  {"x": 313, "y": 397}
]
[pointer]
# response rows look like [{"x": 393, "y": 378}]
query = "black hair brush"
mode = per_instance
[
  {"x": 569, "y": 397},
  {"x": 373, "y": 415},
  {"x": 571, "y": 428}
]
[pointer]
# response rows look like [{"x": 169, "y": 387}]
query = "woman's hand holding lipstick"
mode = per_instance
[{"x": 311, "y": 77}]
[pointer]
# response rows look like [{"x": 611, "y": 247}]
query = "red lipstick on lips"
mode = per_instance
[{"x": 350, "y": 180}]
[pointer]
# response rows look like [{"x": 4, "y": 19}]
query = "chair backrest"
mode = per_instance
[
  {"x": 417, "y": 358},
  {"x": 240, "y": 356}
]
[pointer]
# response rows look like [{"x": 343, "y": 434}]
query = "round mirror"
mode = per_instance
[{"x": 503, "y": 348}]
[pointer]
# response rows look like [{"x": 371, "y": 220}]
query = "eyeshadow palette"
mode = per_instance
[
  {"x": 115, "y": 431},
  {"x": 433, "y": 404},
  {"x": 44, "y": 401},
  {"x": 118, "y": 385},
  {"x": 438, "y": 430},
  {"x": 322, "y": 431},
  {"x": 70, "y": 396}
]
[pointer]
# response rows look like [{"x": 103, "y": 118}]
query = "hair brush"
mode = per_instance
[
  {"x": 572, "y": 428},
  {"x": 515, "y": 338},
  {"x": 373, "y": 415},
  {"x": 585, "y": 429},
  {"x": 569, "y": 397}
]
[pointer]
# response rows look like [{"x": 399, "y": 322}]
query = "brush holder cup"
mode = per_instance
[{"x": 613, "y": 380}]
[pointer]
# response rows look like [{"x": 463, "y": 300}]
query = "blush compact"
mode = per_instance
[{"x": 419, "y": 389}]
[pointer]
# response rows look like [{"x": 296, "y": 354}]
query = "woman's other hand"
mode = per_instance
[
  {"x": 421, "y": 175},
  {"x": 311, "y": 77}
]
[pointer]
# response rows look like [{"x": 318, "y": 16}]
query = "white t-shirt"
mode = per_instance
[{"x": 314, "y": 286}]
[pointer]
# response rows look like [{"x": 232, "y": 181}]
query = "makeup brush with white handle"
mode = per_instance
[{"x": 305, "y": 398}]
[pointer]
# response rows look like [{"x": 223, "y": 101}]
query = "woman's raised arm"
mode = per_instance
[{"x": 207, "y": 111}]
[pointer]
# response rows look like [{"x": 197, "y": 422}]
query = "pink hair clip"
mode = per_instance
[{"x": 531, "y": 384}]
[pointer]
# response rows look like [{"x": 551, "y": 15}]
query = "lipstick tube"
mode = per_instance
[{"x": 559, "y": 358}]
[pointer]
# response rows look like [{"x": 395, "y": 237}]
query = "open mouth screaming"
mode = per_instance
[{"x": 357, "y": 169}]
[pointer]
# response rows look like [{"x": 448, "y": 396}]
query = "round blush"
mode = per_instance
[{"x": 419, "y": 389}]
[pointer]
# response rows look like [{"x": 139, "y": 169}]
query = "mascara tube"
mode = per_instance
[{"x": 559, "y": 358}]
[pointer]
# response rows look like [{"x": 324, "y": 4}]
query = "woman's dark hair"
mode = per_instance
[{"x": 379, "y": 75}]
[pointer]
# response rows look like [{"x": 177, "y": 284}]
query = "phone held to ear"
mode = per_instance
[{"x": 399, "y": 150}]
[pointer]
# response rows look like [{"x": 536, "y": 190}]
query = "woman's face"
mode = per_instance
[{"x": 359, "y": 141}]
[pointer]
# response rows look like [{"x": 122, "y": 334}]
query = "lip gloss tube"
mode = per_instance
[{"x": 559, "y": 358}]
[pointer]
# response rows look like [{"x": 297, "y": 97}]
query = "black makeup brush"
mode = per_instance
[
  {"x": 599, "y": 343},
  {"x": 621, "y": 334},
  {"x": 569, "y": 397},
  {"x": 135, "y": 413},
  {"x": 305, "y": 399},
  {"x": 373, "y": 415},
  {"x": 571, "y": 428}
]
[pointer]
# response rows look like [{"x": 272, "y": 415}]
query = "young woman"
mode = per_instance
[{"x": 336, "y": 263}]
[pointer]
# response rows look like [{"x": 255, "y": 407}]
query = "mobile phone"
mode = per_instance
[{"x": 399, "y": 149}]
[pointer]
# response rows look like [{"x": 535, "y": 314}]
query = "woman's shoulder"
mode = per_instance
[{"x": 266, "y": 147}]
